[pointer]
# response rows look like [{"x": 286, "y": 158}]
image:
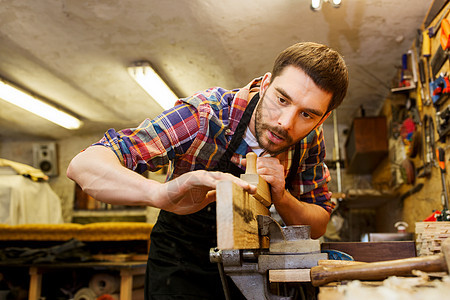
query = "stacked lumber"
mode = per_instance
[{"x": 429, "y": 237}]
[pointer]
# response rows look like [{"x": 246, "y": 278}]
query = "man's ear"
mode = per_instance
[{"x": 265, "y": 82}]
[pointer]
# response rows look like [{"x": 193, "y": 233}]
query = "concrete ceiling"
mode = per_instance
[{"x": 75, "y": 52}]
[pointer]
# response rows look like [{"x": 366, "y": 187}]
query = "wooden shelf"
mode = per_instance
[{"x": 367, "y": 198}]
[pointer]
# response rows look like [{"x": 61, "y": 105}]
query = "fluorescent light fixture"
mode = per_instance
[
  {"x": 150, "y": 81},
  {"x": 24, "y": 100}
]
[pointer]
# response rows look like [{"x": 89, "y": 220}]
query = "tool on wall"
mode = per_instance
[
  {"x": 441, "y": 93},
  {"x": 441, "y": 54},
  {"x": 445, "y": 214},
  {"x": 425, "y": 96},
  {"x": 433, "y": 30},
  {"x": 428, "y": 147},
  {"x": 413, "y": 65},
  {"x": 443, "y": 122},
  {"x": 440, "y": 89},
  {"x": 426, "y": 53},
  {"x": 434, "y": 10}
]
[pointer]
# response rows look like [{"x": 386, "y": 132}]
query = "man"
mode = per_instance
[{"x": 204, "y": 139}]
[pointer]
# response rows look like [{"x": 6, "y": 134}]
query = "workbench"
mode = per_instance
[
  {"x": 126, "y": 270},
  {"x": 102, "y": 240}
]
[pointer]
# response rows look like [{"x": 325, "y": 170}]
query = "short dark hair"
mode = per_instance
[{"x": 325, "y": 66}]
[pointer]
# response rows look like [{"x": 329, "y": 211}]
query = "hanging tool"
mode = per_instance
[
  {"x": 411, "y": 191},
  {"x": 426, "y": 53},
  {"x": 413, "y": 65},
  {"x": 441, "y": 54},
  {"x": 425, "y": 97},
  {"x": 440, "y": 89},
  {"x": 432, "y": 30},
  {"x": 428, "y": 147},
  {"x": 444, "y": 39},
  {"x": 434, "y": 10},
  {"x": 445, "y": 214},
  {"x": 443, "y": 122}
]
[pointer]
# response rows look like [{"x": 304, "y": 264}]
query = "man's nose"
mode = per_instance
[{"x": 287, "y": 119}]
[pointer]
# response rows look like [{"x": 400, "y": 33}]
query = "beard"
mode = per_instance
[{"x": 260, "y": 126}]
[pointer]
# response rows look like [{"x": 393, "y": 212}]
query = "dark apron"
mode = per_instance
[{"x": 178, "y": 265}]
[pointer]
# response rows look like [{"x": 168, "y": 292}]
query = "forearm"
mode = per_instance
[
  {"x": 99, "y": 173},
  {"x": 295, "y": 212}
]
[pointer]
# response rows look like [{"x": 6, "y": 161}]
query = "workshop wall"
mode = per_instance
[
  {"x": 415, "y": 128},
  {"x": 21, "y": 151}
]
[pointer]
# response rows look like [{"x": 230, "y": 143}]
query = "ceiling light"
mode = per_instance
[
  {"x": 336, "y": 3},
  {"x": 317, "y": 4},
  {"x": 16, "y": 96},
  {"x": 150, "y": 81}
]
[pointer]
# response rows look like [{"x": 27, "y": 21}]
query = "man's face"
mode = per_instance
[{"x": 290, "y": 107}]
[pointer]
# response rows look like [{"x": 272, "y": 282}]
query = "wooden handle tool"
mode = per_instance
[
  {"x": 321, "y": 275},
  {"x": 262, "y": 187}
]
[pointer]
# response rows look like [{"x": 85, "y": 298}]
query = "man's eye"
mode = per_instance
[
  {"x": 306, "y": 115},
  {"x": 282, "y": 100}
]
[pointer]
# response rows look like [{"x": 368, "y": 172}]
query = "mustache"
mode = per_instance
[{"x": 279, "y": 132}]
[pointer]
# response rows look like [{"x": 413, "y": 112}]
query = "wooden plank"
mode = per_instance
[
  {"x": 237, "y": 210},
  {"x": 112, "y": 257},
  {"x": 374, "y": 251},
  {"x": 290, "y": 275}
]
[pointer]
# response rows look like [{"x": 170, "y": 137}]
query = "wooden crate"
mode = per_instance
[{"x": 366, "y": 145}]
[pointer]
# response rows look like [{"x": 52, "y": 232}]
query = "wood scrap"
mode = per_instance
[
  {"x": 289, "y": 275},
  {"x": 112, "y": 257}
]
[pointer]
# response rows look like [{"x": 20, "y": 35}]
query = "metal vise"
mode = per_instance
[{"x": 290, "y": 247}]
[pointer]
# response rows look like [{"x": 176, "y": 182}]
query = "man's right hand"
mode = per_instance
[{"x": 193, "y": 191}]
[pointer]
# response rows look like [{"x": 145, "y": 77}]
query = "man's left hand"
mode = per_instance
[{"x": 271, "y": 170}]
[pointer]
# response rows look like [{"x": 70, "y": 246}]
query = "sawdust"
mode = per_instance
[{"x": 398, "y": 288}]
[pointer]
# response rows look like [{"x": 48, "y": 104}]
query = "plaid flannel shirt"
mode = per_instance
[{"x": 194, "y": 134}]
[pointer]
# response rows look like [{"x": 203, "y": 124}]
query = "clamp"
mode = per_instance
[{"x": 290, "y": 247}]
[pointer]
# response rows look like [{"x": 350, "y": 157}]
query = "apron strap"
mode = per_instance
[
  {"x": 294, "y": 167},
  {"x": 225, "y": 161}
]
